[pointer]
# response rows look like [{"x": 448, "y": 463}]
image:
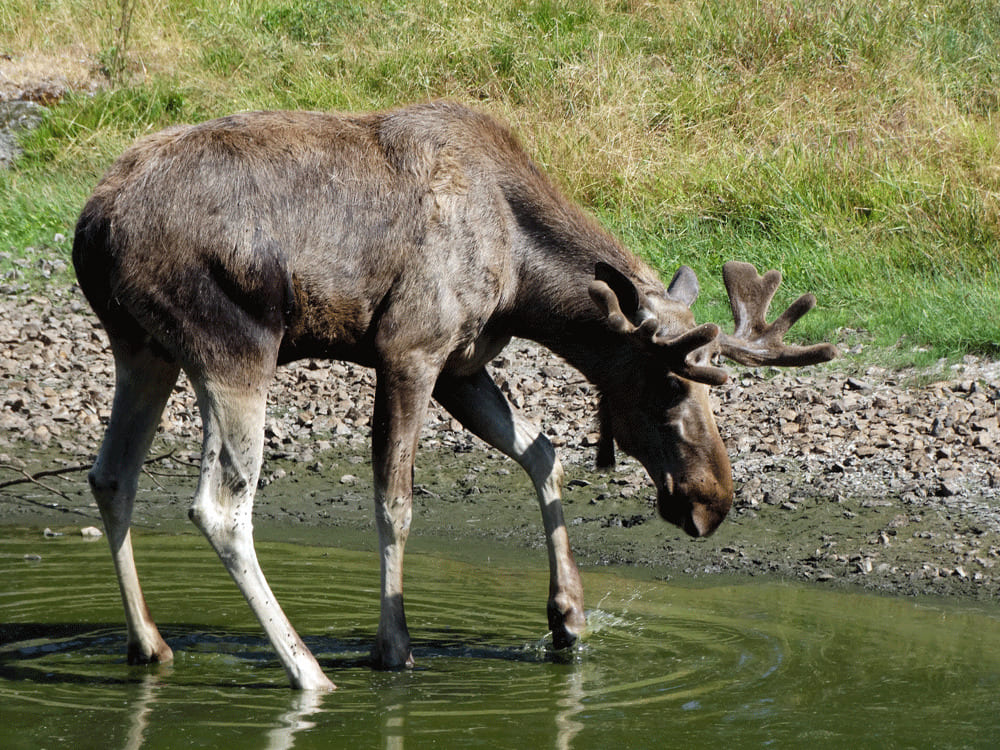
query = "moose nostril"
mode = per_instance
[
  {"x": 704, "y": 520},
  {"x": 667, "y": 484}
]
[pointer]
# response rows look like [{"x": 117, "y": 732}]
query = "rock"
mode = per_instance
[
  {"x": 15, "y": 117},
  {"x": 857, "y": 385},
  {"x": 797, "y": 441},
  {"x": 948, "y": 488}
]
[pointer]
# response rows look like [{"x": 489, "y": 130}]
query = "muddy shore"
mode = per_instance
[{"x": 846, "y": 475}]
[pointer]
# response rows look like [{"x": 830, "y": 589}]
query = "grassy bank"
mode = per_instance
[{"x": 854, "y": 145}]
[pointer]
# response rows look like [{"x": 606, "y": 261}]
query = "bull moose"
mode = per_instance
[{"x": 417, "y": 242}]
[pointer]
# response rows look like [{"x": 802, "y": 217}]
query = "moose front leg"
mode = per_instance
[
  {"x": 401, "y": 399},
  {"x": 478, "y": 404}
]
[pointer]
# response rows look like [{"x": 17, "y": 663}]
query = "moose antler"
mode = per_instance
[
  {"x": 674, "y": 350},
  {"x": 755, "y": 342}
]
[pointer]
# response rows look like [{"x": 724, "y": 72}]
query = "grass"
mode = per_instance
[{"x": 854, "y": 145}]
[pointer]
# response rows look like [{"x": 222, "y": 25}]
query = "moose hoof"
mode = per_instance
[
  {"x": 388, "y": 657},
  {"x": 159, "y": 653},
  {"x": 567, "y": 625},
  {"x": 315, "y": 680}
]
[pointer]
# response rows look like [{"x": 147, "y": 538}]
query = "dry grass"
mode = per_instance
[{"x": 853, "y": 144}]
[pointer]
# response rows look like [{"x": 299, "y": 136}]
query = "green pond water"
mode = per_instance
[{"x": 665, "y": 665}]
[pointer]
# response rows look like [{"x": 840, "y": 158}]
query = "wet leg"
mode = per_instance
[
  {"x": 478, "y": 404},
  {"x": 401, "y": 398},
  {"x": 143, "y": 381},
  {"x": 233, "y": 420}
]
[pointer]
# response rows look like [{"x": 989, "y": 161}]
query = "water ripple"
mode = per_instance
[{"x": 670, "y": 666}]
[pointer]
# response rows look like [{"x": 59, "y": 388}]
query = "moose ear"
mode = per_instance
[
  {"x": 684, "y": 286},
  {"x": 622, "y": 286}
]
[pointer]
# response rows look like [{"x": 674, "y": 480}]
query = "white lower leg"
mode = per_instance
[
  {"x": 300, "y": 665},
  {"x": 231, "y": 457},
  {"x": 142, "y": 385},
  {"x": 479, "y": 405},
  {"x": 565, "y": 607},
  {"x": 145, "y": 644}
]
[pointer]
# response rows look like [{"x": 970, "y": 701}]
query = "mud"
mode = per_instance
[{"x": 846, "y": 475}]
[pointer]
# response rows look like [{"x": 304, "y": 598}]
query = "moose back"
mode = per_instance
[{"x": 416, "y": 242}]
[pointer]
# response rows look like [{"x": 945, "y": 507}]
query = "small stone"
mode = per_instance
[
  {"x": 948, "y": 488},
  {"x": 91, "y": 532}
]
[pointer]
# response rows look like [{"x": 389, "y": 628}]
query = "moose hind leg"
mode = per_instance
[
  {"x": 233, "y": 420},
  {"x": 478, "y": 404},
  {"x": 143, "y": 381}
]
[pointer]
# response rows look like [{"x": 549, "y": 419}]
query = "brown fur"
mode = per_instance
[{"x": 418, "y": 242}]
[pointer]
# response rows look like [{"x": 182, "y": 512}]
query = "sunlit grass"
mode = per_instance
[{"x": 853, "y": 145}]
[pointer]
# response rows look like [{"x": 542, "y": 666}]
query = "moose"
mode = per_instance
[{"x": 417, "y": 242}]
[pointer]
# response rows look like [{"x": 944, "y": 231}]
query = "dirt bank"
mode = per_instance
[{"x": 845, "y": 475}]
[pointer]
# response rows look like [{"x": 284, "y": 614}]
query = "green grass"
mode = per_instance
[{"x": 853, "y": 145}]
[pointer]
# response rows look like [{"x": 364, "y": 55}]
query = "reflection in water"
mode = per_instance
[
  {"x": 552, "y": 703},
  {"x": 666, "y": 666},
  {"x": 141, "y": 708},
  {"x": 394, "y": 724},
  {"x": 304, "y": 704},
  {"x": 570, "y": 704}
]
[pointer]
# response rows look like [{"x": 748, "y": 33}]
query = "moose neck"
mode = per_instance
[{"x": 559, "y": 246}]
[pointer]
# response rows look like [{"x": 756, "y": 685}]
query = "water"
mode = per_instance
[{"x": 666, "y": 665}]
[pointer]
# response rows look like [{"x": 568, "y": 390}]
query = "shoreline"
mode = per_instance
[{"x": 843, "y": 478}]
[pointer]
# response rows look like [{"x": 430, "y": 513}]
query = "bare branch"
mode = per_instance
[
  {"x": 33, "y": 479},
  {"x": 27, "y": 478}
]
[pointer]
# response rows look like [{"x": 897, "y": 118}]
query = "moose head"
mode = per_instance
[{"x": 659, "y": 412}]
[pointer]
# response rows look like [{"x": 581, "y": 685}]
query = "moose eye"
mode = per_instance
[{"x": 672, "y": 391}]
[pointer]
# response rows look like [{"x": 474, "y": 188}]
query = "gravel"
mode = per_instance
[
  {"x": 845, "y": 474},
  {"x": 883, "y": 478}
]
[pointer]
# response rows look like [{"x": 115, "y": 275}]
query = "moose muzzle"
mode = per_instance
[{"x": 695, "y": 505}]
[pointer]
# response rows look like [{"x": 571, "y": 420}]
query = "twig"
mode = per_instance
[
  {"x": 153, "y": 478},
  {"x": 33, "y": 478},
  {"x": 38, "y": 475}
]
